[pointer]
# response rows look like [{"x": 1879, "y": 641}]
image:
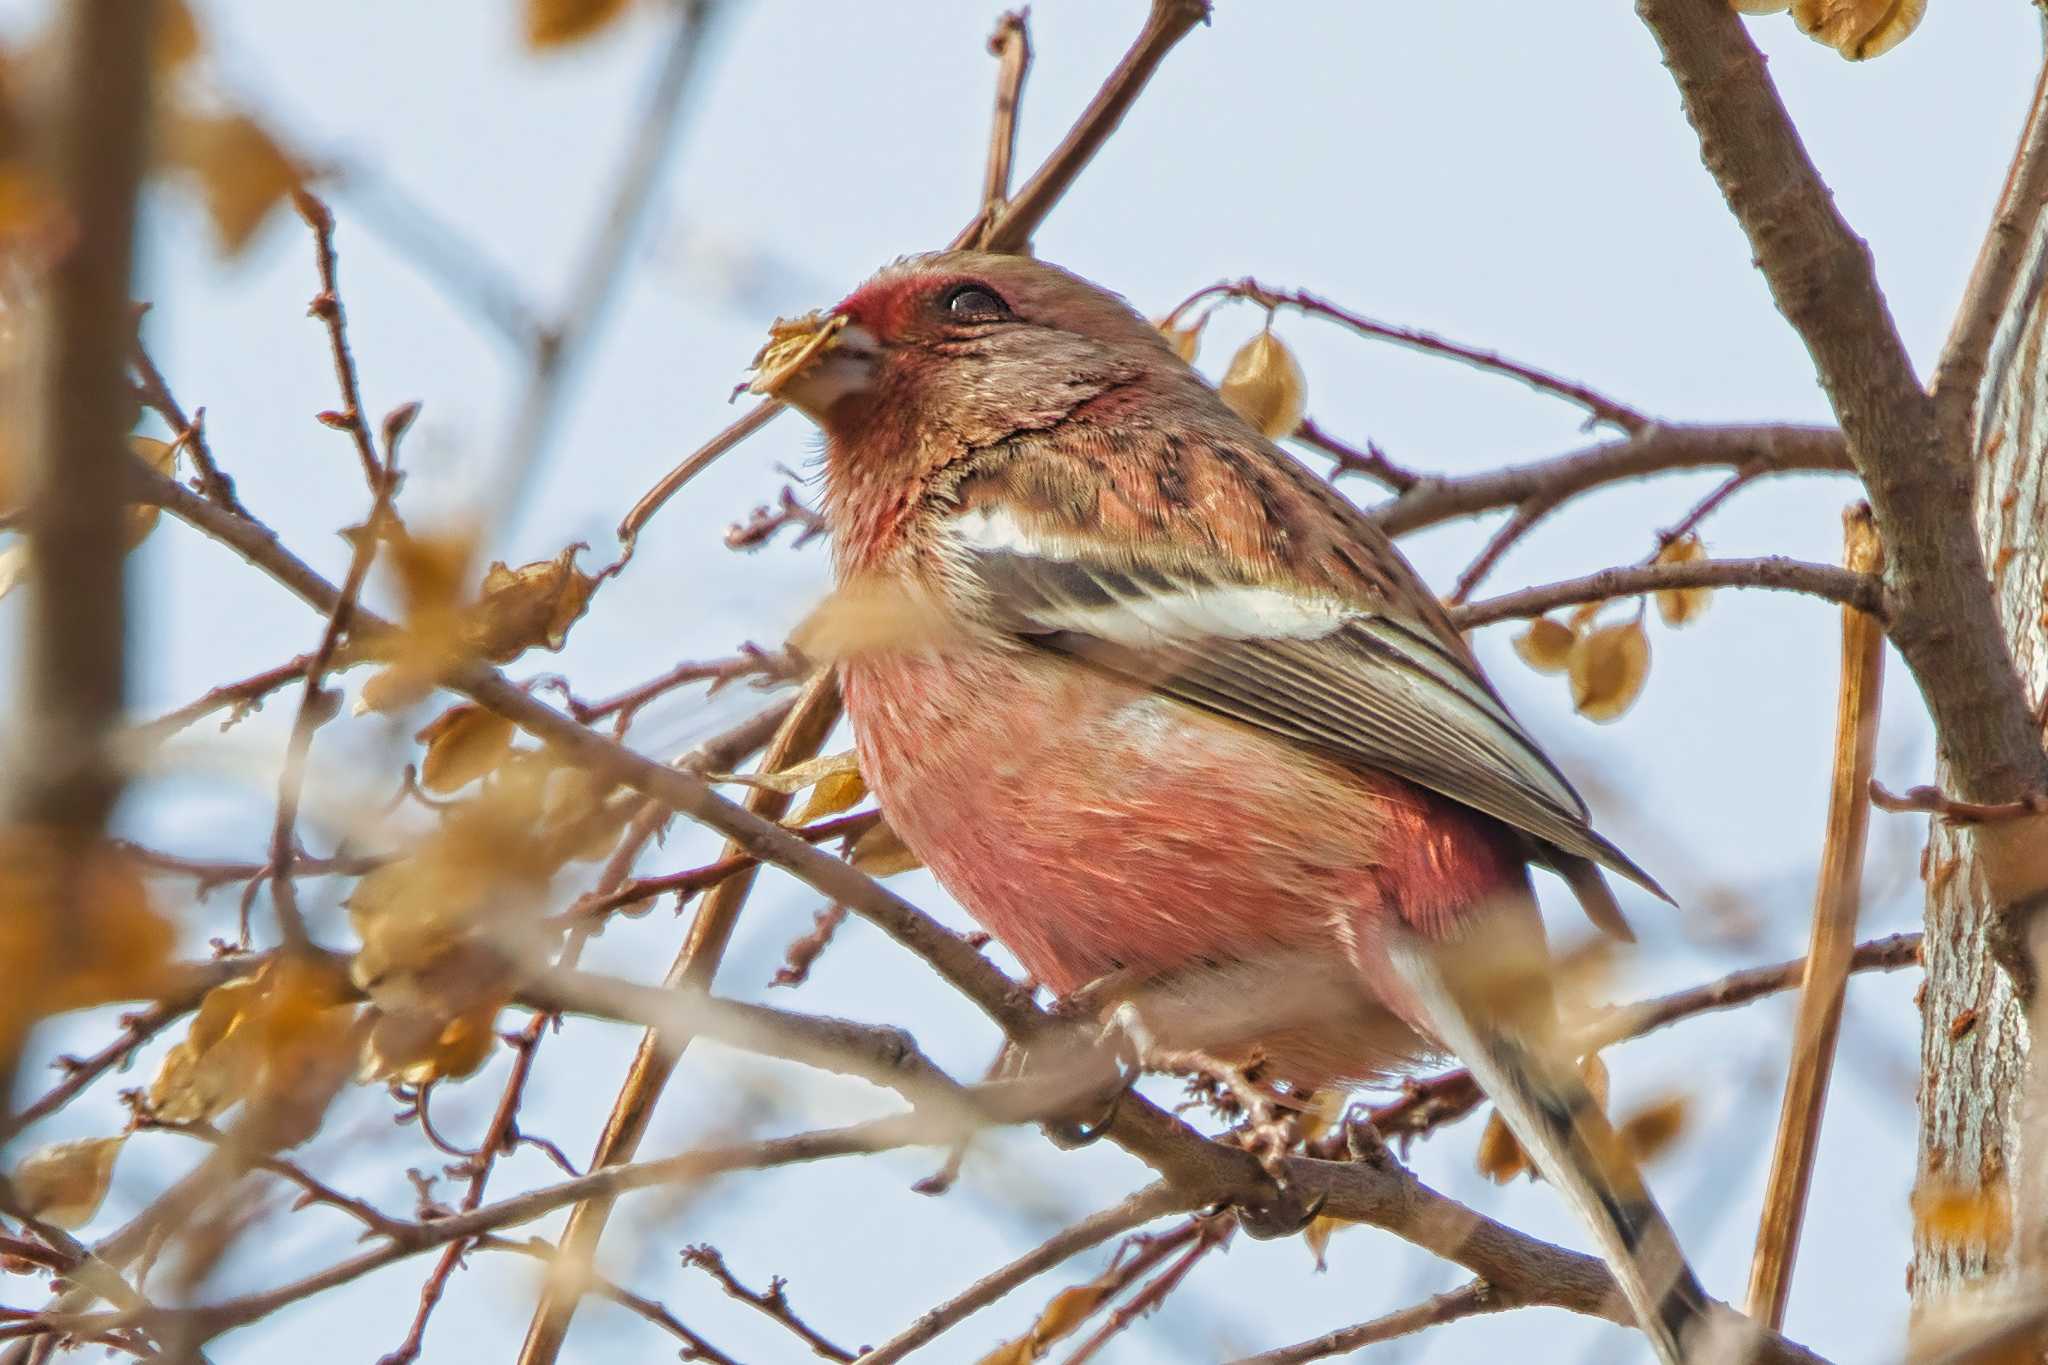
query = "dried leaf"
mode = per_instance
[
  {"x": 162, "y": 456},
  {"x": 64, "y": 1182},
  {"x": 1317, "y": 1235},
  {"x": 463, "y": 743},
  {"x": 1069, "y": 1309},
  {"x": 1186, "y": 341},
  {"x": 793, "y": 345},
  {"x": 834, "y": 794},
  {"x": 421, "y": 1049},
  {"x": 275, "y": 1037},
  {"x": 1501, "y": 1157},
  {"x": 76, "y": 929},
  {"x": 575, "y": 820},
  {"x": 1546, "y": 645},
  {"x": 532, "y": 605},
  {"x": 1608, "y": 667},
  {"x": 1859, "y": 29},
  {"x": 1018, "y": 1352},
  {"x": 1646, "y": 1133},
  {"x": 1682, "y": 606},
  {"x": 550, "y": 23},
  {"x": 242, "y": 173},
  {"x": 177, "y": 35},
  {"x": 880, "y": 853},
  {"x": 793, "y": 779},
  {"x": 1265, "y": 385}
]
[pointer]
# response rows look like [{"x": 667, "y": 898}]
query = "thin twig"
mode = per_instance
[
  {"x": 1372, "y": 462},
  {"x": 1466, "y": 1301},
  {"x": 1010, "y": 45},
  {"x": 773, "y": 1302},
  {"x": 1836, "y": 901},
  {"x": 1599, "y": 407},
  {"x": 1865, "y": 592},
  {"x": 1209, "y": 1233},
  {"x": 695, "y": 1347},
  {"x": 315, "y": 705},
  {"x": 1497, "y": 545},
  {"x": 1152, "y": 1202},
  {"x": 750, "y": 662},
  {"x": 237, "y": 698},
  {"x": 1166, "y": 24},
  {"x": 693, "y": 880},
  {"x": 155, "y": 393}
]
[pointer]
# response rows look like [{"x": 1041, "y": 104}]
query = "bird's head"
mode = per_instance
[{"x": 966, "y": 348}]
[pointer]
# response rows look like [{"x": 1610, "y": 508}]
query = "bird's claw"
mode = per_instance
[
  {"x": 1070, "y": 1134},
  {"x": 1287, "y": 1214}
]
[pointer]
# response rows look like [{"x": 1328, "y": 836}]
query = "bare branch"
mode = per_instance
[
  {"x": 1865, "y": 592},
  {"x": 1371, "y": 462},
  {"x": 772, "y": 1301},
  {"x": 1660, "y": 449},
  {"x": 1010, "y": 44},
  {"x": 1466, "y": 1301},
  {"x": 695, "y": 1347}
]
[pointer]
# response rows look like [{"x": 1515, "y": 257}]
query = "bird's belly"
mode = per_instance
[{"x": 1096, "y": 829}]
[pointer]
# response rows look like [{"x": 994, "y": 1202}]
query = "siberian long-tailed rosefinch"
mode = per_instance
[{"x": 1179, "y": 715}]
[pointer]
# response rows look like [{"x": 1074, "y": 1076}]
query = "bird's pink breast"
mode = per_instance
[{"x": 1097, "y": 829}]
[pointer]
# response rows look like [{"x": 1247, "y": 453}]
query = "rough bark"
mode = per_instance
[{"x": 1974, "y": 1027}]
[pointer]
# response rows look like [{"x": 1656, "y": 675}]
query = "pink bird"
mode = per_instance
[{"x": 1180, "y": 716}]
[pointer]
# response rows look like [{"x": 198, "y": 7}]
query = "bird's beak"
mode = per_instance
[{"x": 813, "y": 362}]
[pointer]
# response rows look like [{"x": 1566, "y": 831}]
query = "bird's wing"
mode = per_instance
[{"x": 1365, "y": 684}]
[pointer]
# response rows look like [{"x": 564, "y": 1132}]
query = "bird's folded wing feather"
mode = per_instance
[{"x": 1361, "y": 683}]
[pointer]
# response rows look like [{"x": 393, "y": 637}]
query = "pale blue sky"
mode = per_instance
[{"x": 1516, "y": 176}]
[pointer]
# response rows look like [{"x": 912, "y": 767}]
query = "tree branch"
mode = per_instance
[
  {"x": 1782, "y": 449},
  {"x": 1863, "y": 591},
  {"x": 1959, "y": 374}
]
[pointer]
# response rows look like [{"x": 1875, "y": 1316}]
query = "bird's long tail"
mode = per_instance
[{"x": 1506, "y": 1046}]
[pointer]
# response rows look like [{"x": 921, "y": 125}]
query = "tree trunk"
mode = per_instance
[{"x": 1975, "y": 1036}]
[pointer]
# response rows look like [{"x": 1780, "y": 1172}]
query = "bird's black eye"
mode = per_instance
[{"x": 974, "y": 303}]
